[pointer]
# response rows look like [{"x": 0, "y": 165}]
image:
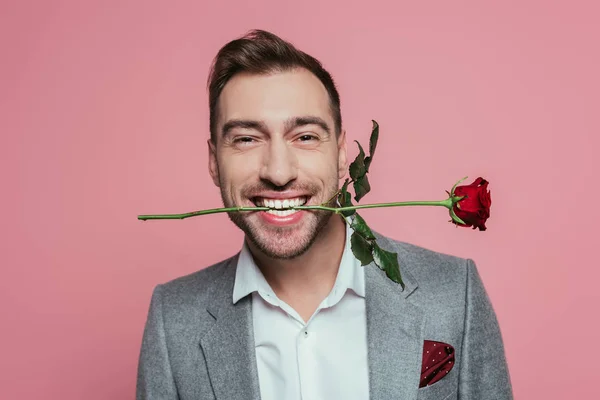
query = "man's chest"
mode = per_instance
[{"x": 326, "y": 357}]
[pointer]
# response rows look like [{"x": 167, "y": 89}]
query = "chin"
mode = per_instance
[
  {"x": 282, "y": 243},
  {"x": 279, "y": 253}
]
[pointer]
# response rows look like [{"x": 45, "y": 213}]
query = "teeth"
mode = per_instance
[
  {"x": 282, "y": 213},
  {"x": 299, "y": 202},
  {"x": 280, "y": 204}
]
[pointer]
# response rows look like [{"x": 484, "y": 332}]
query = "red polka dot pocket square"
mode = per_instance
[{"x": 438, "y": 360}]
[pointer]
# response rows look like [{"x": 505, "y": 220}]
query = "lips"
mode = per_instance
[{"x": 281, "y": 210}]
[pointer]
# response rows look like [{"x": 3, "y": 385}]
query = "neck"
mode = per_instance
[{"x": 303, "y": 282}]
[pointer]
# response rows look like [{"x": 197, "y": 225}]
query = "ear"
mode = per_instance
[
  {"x": 342, "y": 155},
  {"x": 213, "y": 168}
]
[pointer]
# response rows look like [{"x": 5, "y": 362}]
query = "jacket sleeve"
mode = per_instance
[
  {"x": 154, "y": 378},
  {"x": 483, "y": 371}
]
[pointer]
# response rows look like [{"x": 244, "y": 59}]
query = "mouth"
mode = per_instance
[{"x": 280, "y": 207}]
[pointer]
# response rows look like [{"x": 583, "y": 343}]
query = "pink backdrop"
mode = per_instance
[{"x": 104, "y": 117}]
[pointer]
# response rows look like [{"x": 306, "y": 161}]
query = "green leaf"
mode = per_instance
[
  {"x": 343, "y": 192},
  {"x": 360, "y": 226},
  {"x": 345, "y": 199},
  {"x": 367, "y": 163},
  {"x": 361, "y": 187},
  {"x": 361, "y": 248},
  {"x": 372, "y": 144},
  {"x": 456, "y": 218},
  {"x": 388, "y": 262},
  {"x": 357, "y": 168}
]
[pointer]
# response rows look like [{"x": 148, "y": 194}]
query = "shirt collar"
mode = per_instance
[{"x": 249, "y": 278}]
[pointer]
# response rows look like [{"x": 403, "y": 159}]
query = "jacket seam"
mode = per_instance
[
  {"x": 162, "y": 321},
  {"x": 465, "y": 324}
]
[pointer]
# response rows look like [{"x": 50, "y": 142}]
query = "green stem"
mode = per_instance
[
  {"x": 443, "y": 203},
  {"x": 202, "y": 212}
]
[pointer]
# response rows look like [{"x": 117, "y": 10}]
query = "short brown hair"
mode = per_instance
[{"x": 262, "y": 52}]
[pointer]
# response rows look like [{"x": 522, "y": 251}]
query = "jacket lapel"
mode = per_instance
[
  {"x": 394, "y": 332},
  {"x": 229, "y": 346}
]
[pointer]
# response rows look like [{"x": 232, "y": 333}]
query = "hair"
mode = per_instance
[{"x": 262, "y": 52}]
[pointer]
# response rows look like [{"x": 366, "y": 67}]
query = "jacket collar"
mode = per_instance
[
  {"x": 394, "y": 331},
  {"x": 228, "y": 346}
]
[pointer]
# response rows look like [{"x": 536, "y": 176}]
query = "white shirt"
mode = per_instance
[{"x": 324, "y": 358}]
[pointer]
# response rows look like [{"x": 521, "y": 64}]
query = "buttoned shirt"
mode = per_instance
[{"x": 322, "y": 358}]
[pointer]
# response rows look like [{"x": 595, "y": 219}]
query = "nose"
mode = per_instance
[{"x": 279, "y": 163}]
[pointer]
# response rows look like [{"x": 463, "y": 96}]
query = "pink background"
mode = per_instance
[{"x": 104, "y": 117}]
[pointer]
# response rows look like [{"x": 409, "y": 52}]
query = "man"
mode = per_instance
[{"x": 294, "y": 315}]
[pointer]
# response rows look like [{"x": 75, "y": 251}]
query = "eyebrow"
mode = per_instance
[{"x": 289, "y": 124}]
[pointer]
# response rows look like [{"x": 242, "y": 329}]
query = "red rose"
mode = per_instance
[{"x": 474, "y": 209}]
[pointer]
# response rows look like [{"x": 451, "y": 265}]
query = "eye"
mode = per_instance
[
  {"x": 243, "y": 140},
  {"x": 307, "y": 138}
]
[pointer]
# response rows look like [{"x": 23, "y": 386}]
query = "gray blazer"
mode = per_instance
[{"x": 197, "y": 345}]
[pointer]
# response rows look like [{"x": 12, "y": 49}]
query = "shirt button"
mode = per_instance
[{"x": 305, "y": 333}]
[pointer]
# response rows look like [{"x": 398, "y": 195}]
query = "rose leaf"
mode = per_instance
[
  {"x": 357, "y": 169},
  {"x": 361, "y": 248},
  {"x": 372, "y": 144},
  {"x": 360, "y": 226},
  {"x": 345, "y": 199},
  {"x": 388, "y": 262},
  {"x": 361, "y": 187}
]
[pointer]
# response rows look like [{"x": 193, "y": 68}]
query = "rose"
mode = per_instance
[
  {"x": 468, "y": 206},
  {"x": 474, "y": 208}
]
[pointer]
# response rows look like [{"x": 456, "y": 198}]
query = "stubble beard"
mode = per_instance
[{"x": 283, "y": 243}]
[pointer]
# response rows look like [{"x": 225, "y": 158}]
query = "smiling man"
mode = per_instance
[{"x": 294, "y": 315}]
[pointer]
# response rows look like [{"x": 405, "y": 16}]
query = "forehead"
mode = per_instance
[{"x": 275, "y": 97}]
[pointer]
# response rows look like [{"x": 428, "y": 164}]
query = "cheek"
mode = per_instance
[
  {"x": 319, "y": 165},
  {"x": 238, "y": 169}
]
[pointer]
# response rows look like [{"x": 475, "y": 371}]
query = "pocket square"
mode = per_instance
[{"x": 438, "y": 360}]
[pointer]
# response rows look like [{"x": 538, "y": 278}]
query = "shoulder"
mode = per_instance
[
  {"x": 180, "y": 307},
  {"x": 428, "y": 267},
  {"x": 196, "y": 289}
]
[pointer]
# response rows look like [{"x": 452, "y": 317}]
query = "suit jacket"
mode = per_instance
[{"x": 198, "y": 345}]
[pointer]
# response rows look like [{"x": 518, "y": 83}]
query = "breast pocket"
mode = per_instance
[{"x": 445, "y": 389}]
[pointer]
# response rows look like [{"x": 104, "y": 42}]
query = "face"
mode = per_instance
[{"x": 276, "y": 146}]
